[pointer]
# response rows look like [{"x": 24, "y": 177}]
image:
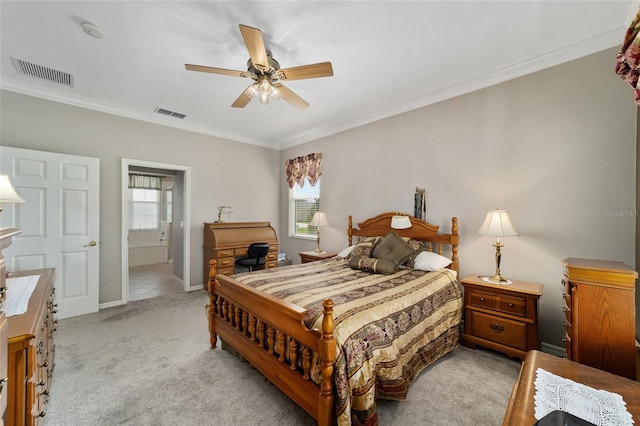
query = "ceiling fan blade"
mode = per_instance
[
  {"x": 322, "y": 69},
  {"x": 243, "y": 99},
  {"x": 255, "y": 45},
  {"x": 291, "y": 97},
  {"x": 214, "y": 70}
]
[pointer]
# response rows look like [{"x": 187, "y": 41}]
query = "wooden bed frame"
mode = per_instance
[{"x": 262, "y": 328}]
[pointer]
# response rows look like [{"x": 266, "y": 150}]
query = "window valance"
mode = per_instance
[
  {"x": 628, "y": 58},
  {"x": 145, "y": 182},
  {"x": 298, "y": 168}
]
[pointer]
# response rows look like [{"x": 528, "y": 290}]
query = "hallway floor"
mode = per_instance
[{"x": 148, "y": 281}]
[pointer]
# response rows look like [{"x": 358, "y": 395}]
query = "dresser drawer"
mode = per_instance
[
  {"x": 511, "y": 305},
  {"x": 482, "y": 299},
  {"x": 271, "y": 256},
  {"x": 224, "y": 253},
  {"x": 226, "y": 262},
  {"x": 500, "y": 330},
  {"x": 226, "y": 271}
]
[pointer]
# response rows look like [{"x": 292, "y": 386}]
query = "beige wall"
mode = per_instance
[
  {"x": 222, "y": 172},
  {"x": 555, "y": 148}
]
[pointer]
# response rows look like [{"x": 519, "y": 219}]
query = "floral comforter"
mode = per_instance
[{"x": 388, "y": 327}]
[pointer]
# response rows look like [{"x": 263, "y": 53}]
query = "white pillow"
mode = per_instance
[
  {"x": 346, "y": 252},
  {"x": 429, "y": 261}
]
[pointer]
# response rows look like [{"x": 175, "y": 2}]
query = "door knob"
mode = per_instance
[{"x": 91, "y": 244}]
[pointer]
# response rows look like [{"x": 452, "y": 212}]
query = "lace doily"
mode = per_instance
[{"x": 593, "y": 405}]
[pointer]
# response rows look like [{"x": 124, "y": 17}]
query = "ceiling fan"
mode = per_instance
[{"x": 266, "y": 73}]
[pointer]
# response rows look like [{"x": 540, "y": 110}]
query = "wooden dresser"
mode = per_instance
[
  {"x": 225, "y": 242},
  {"x": 31, "y": 353},
  {"x": 599, "y": 307},
  {"x": 6, "y": 238}
]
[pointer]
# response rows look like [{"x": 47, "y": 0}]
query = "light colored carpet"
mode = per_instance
[{"x": 149, "y": 363}]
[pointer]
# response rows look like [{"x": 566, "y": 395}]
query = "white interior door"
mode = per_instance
[{"x": 60, "y": 222}]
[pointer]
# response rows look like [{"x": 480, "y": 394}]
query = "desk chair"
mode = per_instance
[{"x": 256, "y": 255}]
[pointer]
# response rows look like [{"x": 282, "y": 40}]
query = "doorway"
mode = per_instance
[{"x": 170, "y": 247}]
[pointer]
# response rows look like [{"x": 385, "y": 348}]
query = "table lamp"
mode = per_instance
[
  {"x": 7, "y": 193},
  {"x": 319, "y": 219},
  {"x": 497, "y": 224}
]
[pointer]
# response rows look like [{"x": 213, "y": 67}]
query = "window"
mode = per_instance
[
  {"x": 303, "y": 203},
  {"x": 168, "y": 201},
  {"x": 144, "y": 208}
]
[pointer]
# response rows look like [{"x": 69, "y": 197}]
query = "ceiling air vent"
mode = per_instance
[
  {"x": 170, "y": 113},
  {"x": 43, "y": 73}
]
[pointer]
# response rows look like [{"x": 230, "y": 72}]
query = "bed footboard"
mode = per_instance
[{"x": 271, "y": 335}]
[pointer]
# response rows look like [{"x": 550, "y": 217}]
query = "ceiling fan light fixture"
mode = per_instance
[{"x": 264, "y": 90}]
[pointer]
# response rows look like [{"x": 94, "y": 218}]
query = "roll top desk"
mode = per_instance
[{"x": 225, "y": 242}]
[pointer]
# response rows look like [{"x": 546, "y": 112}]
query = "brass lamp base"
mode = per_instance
[
  {"x": 317, "y": 250},
  {"x": 498, "y": 279}
]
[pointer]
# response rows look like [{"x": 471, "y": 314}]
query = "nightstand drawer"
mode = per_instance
[
  {"x": 500, "y": 330},
  {"x": 511, "y": 305},
  {"x": 482, "y": 299}
]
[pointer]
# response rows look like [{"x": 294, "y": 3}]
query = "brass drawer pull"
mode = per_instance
[
  {"x": 482, "y": 299},
  {"x": 511, "y": 305},
  {"x": 497, "y": 328}
]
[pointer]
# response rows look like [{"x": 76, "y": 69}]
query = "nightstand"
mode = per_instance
[
  {"x": 312, "y": 256},
  {"x": 503, "y": 317}
]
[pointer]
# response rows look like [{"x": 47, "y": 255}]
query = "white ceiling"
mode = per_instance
[{"x": 388, "y": 56}]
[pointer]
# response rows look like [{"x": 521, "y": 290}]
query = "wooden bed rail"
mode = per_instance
[{"x": 271, "y": 335}]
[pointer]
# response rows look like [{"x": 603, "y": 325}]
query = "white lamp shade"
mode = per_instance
[
  {"x": 400, "y": 222},
  {"x": 7, "y": 193},
  {"x": 497, "y": 223},
  {"x": 319, "y": 219}
]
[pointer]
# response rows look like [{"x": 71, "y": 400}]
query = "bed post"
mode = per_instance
[
  {"x": 454, "y": 244},
  {"x": 350, "y": 231},
  {"x": 211, "y": 306},
  {"x": 327, "y": 352}
]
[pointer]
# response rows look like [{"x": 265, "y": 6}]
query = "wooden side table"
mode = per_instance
[
  {"x": 521, "y": 408},
  {"x": 312, "y": 256},
  {"x": 503, "y": 317}
]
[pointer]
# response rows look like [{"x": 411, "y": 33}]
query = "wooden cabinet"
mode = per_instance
[
  {"x": 225, "y": 242},
  {"x": 599, "y": 306},
  {"x": 6, "y": 238},
  {"x": 31, "y": 353},
  {"x": 503, "y": 317},
  {"x": 312, "y": 256}
]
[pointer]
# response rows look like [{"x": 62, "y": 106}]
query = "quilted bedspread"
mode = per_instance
[{"x": 387, "y": 327}]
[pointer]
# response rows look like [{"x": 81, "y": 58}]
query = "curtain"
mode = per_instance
[
  {"x": 628, "y": 58},
  {"x": 299, "y": 168},
  {"x": 145, "y": 182}
]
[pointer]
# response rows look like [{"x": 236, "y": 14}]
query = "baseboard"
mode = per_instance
[
  {"x": 110, "y": 304},
  {"x": 196, "y": 287}
]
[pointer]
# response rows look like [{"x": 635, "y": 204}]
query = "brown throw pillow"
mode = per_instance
[
  {"x": 365, "y": 247},
  {"x": 392, "y": 246},
  {"x": 371, "y": 264}
]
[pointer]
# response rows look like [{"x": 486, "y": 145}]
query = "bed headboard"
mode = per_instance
[{"x": 420, "y": 230}]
